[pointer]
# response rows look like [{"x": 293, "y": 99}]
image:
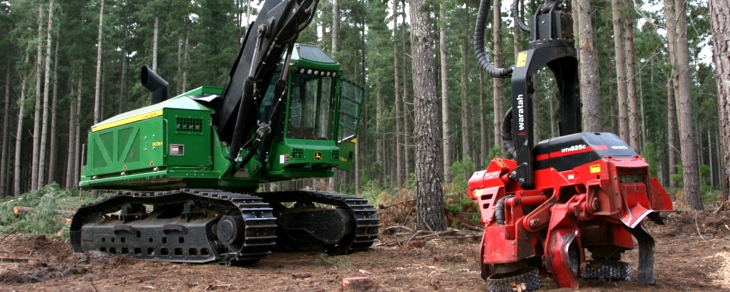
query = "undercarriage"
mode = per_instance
[{"x": 214, "y": 226}]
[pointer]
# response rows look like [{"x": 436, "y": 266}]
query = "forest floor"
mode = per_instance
[{"x": 693, "y": 253}]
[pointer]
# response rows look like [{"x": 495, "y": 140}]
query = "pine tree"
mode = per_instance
[
  {"x": 589, "y": 74},
  {"x": 429, "y": 193},
  {"x": 690, "y": 175},
  {"x": 46, "y": 115},
  {"x": 445, "y": 131},
  {"x": 720, "y": 19}
]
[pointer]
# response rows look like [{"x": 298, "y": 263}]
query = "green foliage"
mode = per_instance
[
  {"x": 44, "y": 218},
  {"x": 678, "y": 178},
  {"x": 495, "y": 152},
  {"x": 649, "y": 154},
  {"x": 462, "y": 171}
]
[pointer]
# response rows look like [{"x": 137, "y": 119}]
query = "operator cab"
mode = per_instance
[{"x": 318, "y": 128}]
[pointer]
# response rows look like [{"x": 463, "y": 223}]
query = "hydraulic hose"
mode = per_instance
[
  {"x": 508, "y": 142},
  {"x": 518, "y": 17},
  {"x": 479, "y": 44},
  {"x": 499, "y": 209}
]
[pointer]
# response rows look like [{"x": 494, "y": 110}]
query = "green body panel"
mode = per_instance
[{"x": 173, "y": 144}]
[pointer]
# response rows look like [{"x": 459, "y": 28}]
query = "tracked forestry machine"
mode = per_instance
[
  {"x": 556, "y": 203},
  {"x": 188, "y": 167}
]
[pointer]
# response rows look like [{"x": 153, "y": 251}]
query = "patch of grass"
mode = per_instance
[{"x": 336, "y": 261}]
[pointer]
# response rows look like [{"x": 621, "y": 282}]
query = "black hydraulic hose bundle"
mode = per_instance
[
  {"x": 499, "y": 209},
  {"x": 484, "y": 63},
  {"x": 507, "y": 140},
  {"x": 518, "y": 17}
]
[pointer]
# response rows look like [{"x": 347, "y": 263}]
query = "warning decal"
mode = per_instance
[{"x": 595, "y": 168}]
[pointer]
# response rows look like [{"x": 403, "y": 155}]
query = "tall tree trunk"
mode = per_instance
[
  {"x": 46, "y": 85},
  {"x": 589, "y": 76},
  {"x": 19, "y": 135},
  {"x": 671, "y": 140},
  {"x": 77, "y": 152},
  {"x": 429, "y": 191},
  {"x": 553, "y": 131},
  {"x": 620, "y": 70},
  {"x": 628, "y": 22},
  {"x": 445, "y": 131},
  {"x": 720, "y": 20},
  {"x": 185, "y": 63},
  {"x": 483, "y": 143},
  {"x": 671, "y": 22},
  {"x": 4, "y": 159},
  {"x": 155, "y": 33},
  {"x": 335, "y": 52},
  {"x": 54, "y": 138},
  {"x": 122, "y": 86},
  {"x": 97, "y": 88},
  {"x": 710, "y": 158},
  {"x": 179, "y": 66},
  {"x": 71, "y": 143},
  {"x": 642, "y": 117},
  {"x": 406, "y": 113},
  {"x": 692, "y": 196},
  {"x": 37, "y": 114},
  {"x": 379, "y": 143},
  {"x": 465, "y": 127},
  {"x": 498, "y": 93},
  {"x": 396, "y": 92}
]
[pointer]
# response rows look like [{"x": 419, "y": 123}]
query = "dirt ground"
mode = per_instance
[{"x": 693, "y": 253}]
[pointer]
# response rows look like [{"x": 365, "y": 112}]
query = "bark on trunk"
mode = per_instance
[
  {"x": 185, "y": 64},
  {"x": 335, "y": 52},
  {"x": 465, "y": 127},
  {"x": 379, "y": 127},
  {"x": 155, "y": 32},
  {"x": 70, "y": 167},
  {"x": 122, "y": 86},
  {"x": 483, "y": 143},
  {"x": 498, "y": 93},
  {"x": 53, "y": 154},
  {"x": 4, "y": 159},
  {"x": 19, "y": 136},
  {"x": 406, "y": 116},
  {"x": 691, "y": 189},
  {"x": 398, "y": 119},
  {"x": 589, "y": 75},
  {"x": 77, "y": 156},
  {"x": 46, "y": 85},
  {"x": 429, "y": 193},
  {"x": 720, "y": 21},
  {"x": 671, "y": 140},
  {"x": 98, "y": 65},
  {"x": 37, "y": 114},
  {"x": 445, "y": 131},
  {"x": 671, "y": 91},
  {"x": 628, "y": 23},
  {"x": 620, "y": 70}
]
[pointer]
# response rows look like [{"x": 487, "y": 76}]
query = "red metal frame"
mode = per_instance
[{"x": 596, "y": 205}]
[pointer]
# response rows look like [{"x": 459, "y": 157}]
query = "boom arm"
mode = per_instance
[{"x": 274, "y": 32}]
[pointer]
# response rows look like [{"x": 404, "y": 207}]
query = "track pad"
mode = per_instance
[{"x": 311, "y": 227}]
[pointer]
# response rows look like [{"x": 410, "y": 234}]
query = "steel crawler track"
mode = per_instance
[
  {"x": 366, "y": 221},
  {"x": 185, "y": 224},
  {"x": 188, "y": 236}
]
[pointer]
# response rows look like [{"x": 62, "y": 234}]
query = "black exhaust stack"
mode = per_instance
[{"x": 155, "y": 84}]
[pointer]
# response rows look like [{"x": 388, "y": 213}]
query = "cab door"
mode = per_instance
[{"x": 348, "y": 119}]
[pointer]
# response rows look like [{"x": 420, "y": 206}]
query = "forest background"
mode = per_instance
[{"x": 70, "y": 64}]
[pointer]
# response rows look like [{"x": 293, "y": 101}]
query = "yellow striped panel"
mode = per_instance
[{"x": 129, "y": 120}]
